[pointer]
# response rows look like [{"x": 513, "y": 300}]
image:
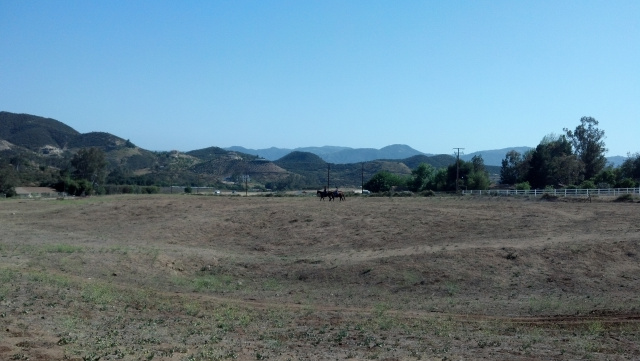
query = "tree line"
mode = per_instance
[
  {"x": 425, "y": 178},
  {"x": 574, "y": 159}
]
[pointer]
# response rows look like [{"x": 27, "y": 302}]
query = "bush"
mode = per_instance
[
  {"x": 383, "y": 181},
  {"x": 150, "y": 190},
  {"x": 524, "y": 186},
  {"x": 76, "y": 188},
  {"x": 626, "y": 183},
  {"x": 549, "y": 197},
  {"x": 427, "y": 193},
  {"x": 188, "y": 189},
  {"x": 625, "y": 198},
  {"x": 588, "y": 184},
  {"x": 9, "y": 192}
]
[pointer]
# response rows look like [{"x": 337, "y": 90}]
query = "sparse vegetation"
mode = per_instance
[
  {"x": 206, "y": 278},
  {"x": 625, "y": 198}
]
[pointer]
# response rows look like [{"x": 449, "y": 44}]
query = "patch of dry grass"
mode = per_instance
[{"x": 214, "y": 278}]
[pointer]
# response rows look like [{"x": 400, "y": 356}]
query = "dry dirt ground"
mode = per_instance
[{"x": 177, "y": 277}]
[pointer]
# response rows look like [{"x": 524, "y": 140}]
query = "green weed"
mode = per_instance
[
  {"x": 100, "y": 294},
  {"x": 50, "y": 279},
  {"x": 452, "y": 288},
  {"x": 214, "y": 283},
  {"x": 595, "y": 327},
  {"x": 272, "y": 284},
  {"x": 543, "y": 305}
]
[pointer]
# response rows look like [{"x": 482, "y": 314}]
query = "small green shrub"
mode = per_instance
[
  {"x": 151, "y": 190},
  {"x": 588, "y": 184}
]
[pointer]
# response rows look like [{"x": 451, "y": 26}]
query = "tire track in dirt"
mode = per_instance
[
  {"x": 604, "y": 317},
  {"x": 497, "y": 244}
]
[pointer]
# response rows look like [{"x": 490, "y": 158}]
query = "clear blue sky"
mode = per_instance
[{"x": 433, "y": 75}]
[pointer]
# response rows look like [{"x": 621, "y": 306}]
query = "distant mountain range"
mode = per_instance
[
  {"x": 46, "y": 145},
  {"x": 345, "y": 155},
  {"x": 36, "y": 149},
  {"x": 337, "y": 155},
  {"x": 493, "y": 157}
]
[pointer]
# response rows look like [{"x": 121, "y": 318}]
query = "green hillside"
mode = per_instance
[
  {"x": 38, "y": 151},
  {"x": 316, "y": 171},
  {"x": 211, "y": 153},
  {"x": 437, "y": 161},
  {"x": 33, "y": 132},
  {"x": 103, "y": 140}
]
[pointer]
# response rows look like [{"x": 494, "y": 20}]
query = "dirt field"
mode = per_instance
[{"x": 292, "y": 278}]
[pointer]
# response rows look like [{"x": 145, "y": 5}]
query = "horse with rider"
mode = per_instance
[{"x": 331, "y": 195}]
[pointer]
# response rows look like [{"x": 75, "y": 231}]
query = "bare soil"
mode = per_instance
[{"x": 176, "y": 277}]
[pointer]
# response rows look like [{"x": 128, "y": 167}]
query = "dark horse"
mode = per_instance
[
  {"x": 336, "y": 194},
  {"x": 323, "y": 194}
]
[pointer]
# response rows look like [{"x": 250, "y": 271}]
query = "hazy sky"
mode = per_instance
[{"x": 433, "y": 75}]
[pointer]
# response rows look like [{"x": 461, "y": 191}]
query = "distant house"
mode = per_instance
[{"x": 35, "y": 192}]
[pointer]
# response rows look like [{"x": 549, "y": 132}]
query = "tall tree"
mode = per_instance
[
  {"x": 509, "y": 172},
  {"x": 422, "y": 178},
  {"x": 90, "y": 164},
  {"x": 383, "y": 181},
  {"x": 471, "y": 175},
  {"x": 8, "y": 179},
  {"x": 630, "y": 168},
  {"x": 548, "y": 163},
  {"x": 478, "y": 163},
  {"x": 588, "y": 144}
]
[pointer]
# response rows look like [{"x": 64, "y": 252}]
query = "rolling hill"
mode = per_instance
[
  {"x": 36, "y": 142},
  {"x": 333, "y": 154},
  {"x": 34, "y": 132},
  {"x": 41, "y": 140}
]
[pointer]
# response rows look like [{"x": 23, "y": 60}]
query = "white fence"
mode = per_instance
[{"x": 555, "y": 192}]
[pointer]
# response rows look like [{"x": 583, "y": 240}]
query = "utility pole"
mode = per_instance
[
  {"x": 362, "y": 175},
  {"x": 457, "y": 167},
  {"x": 328, "y": 175}
]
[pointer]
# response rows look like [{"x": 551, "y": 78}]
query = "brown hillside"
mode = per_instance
[{"x": 227, "y": 166}]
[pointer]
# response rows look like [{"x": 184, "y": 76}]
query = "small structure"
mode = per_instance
[{"x": 36, "y": 192}]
